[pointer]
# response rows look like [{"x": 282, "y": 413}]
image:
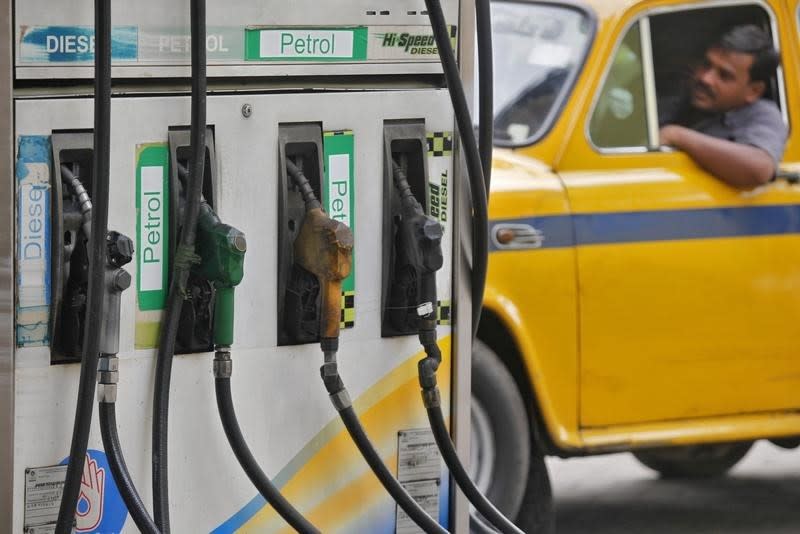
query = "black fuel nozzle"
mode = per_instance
[
  {"x": 419, "y": 244},
  {"x": 119, "y": 248}
]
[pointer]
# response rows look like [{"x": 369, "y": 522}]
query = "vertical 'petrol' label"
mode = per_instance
[
  {"x": 152, "y": 226},
  {"x": 339, "y": 202}
]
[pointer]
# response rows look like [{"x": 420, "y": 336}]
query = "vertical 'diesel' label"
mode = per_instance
[
  {"x": 33, "y": 241},
  {"x": 152, "y": 207}
]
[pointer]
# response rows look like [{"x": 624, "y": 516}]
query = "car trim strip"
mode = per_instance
[{"x": 559, "y": 231}]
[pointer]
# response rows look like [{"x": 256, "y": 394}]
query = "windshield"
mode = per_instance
[{"x": 537, "y": 50}]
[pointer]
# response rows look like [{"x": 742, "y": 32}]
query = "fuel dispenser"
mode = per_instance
[{"x": 324, "y": 133}]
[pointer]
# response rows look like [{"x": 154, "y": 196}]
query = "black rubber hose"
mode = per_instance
[
  {"x": 180, "y": 271},
  {"x": 260, "y": 480},
  {"x": 480, "y": 233},
  {"x": 97, "y": 265},
  {"x": 303, "y": 184},
  {"x": 400, "y": 495},
  {"x": 483, "y": 24},
  {"x": 478, "y": 500},
  {"x": 119, "y": 470}
]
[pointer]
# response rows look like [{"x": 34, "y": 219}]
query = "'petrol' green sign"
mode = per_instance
[{"x": 306, "y": 44}]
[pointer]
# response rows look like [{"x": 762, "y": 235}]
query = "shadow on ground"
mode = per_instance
[{"x": 614, "y": 494}]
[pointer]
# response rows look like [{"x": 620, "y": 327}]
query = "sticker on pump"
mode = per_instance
[
  {"x": 100, "y": 508},
  {"x": 319, "y": 44},
  {"x": 339, "y": 198},
  {"x": 33, "y": 240},
  {"x": 152, "y": 240},
  {"x": 74, "y": 44}
]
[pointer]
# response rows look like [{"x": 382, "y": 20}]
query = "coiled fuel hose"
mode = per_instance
[
  {"x": 324, "y": 248},
  {"x": 97, "y": 268},
  {"x": 427, "y": 333},
  {"x": 185, "y": 257}
]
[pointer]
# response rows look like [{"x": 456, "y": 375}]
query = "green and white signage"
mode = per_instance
[
  {"x": 306, "y": 44},
  {"x": 152, "y": 226},
  {"x": 339, "y": 202}
]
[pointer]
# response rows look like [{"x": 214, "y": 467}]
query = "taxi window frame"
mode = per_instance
[
  {"x": 651, "y": 103},
  {"x": 644, "y": 34},
  {"x": 557, "y": 109}
]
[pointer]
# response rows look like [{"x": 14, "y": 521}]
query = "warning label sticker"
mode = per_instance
[
  {"x": 43, "y": 489},
  {"x": 426, "y": 493},
  {"x": 418, "y": 457},
  {"x": 419, "y": 470}
]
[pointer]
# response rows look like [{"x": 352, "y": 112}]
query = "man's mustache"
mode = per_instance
[{"x": 702, "y": 87}]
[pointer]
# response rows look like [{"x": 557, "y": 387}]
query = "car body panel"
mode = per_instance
[
  {"x": 549, "y": 277},
  {"x": 668, "y": 315}
]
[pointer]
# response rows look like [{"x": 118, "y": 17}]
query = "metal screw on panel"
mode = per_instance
[{"x": 247, "y": 110}]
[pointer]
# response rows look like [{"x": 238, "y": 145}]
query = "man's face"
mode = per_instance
[{"x": 722, "y": 81}]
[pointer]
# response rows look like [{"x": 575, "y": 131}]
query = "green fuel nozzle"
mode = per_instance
[{"x": 222, "y": 248}]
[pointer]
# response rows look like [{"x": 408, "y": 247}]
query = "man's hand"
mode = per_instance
[
  {"x": 671, "y": 134},
  {"x": 737, "y": 164}
]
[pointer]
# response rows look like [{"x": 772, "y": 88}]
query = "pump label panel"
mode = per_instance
[
  {"x": 406, "y": 43},
  {"x": 33, "y": 240},
  {"x": 426, "y": 493},
  {"x": 152, "y": 240},
  {"x": 440, "y": 171},
  {"x": 152, "y": 203},
  {"x": 43, "y": 489},
  {"x": 418, "y": 456},
  {"x": 100, "y": 507},
  {"x": 317, "y": 44},
  {"x": 170, "y": 45},
  {"x": 339, "y": 199},
  {"x": 67, "y": 44},
  {"x": 165, "y": 44}
]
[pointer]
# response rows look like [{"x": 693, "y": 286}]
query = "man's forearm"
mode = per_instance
[{"x": 739, "y": 165}]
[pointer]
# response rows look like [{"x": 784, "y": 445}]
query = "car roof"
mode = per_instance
[{"x": 605, "y": 9}]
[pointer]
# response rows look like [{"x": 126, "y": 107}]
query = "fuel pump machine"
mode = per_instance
[{"x": 204, "y": 203}]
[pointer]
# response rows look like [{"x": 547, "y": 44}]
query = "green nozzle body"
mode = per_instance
[{"x": 222, "y": 248}]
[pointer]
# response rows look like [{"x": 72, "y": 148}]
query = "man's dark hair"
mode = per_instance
[{"x": 750, "y": 39}]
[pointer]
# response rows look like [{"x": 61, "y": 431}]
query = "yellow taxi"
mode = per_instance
[{"x": 634, "y": 301}]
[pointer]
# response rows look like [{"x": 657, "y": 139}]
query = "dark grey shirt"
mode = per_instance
[{"x": 759, "y": 124}]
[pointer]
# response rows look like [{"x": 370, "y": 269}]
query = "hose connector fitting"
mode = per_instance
[
  {"x": 426, "y": 369},
  {"x": 432, "y": 398},
  {"x": 341, "y": 400},
  {"x": 107, "y": 378},
  {"x": 223, "y": 365}
]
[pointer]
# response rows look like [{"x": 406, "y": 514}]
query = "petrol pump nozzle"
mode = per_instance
[
  {"x": 324, "y": 247},
  {"x": 420, "y": 246},
  {"x": 420, "y": 240},
  {"x": 222, "y": 248}
]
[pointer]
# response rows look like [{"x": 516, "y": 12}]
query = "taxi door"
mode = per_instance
[{"x": 689, "y": 290}]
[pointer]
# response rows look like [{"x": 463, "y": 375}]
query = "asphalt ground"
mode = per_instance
[{"x": 615, "y": 494}]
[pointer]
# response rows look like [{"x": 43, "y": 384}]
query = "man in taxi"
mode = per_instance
[{"x": 727, "y": 127}]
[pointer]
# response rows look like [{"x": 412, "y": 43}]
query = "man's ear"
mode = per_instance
[{"x": 755, "y": 90}]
